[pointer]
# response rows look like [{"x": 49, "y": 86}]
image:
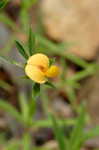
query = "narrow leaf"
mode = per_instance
[
  {"x": 31, "y": 42},
  {"x": 21, "y": 50},
  {"x": 77, "y": 133},
  {"x": 5, "y": 85},
  {"x": 59, "y": 134},
  {"x": 10, "y": 109}
]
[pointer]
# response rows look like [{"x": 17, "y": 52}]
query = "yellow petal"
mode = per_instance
[
  {"x": 35, "y": 74},
  {"x": 39, "y": 59},
  {"x": 53, "y": 71}
]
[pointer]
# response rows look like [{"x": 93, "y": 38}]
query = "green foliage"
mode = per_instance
[
  {"x": 31, "y": 42},
  {"x": 59, "y": 134},
  {"x": 24, "y": 13},
  {"x": 25, "y": 116},
  {"x": 75, "y": 142},
  {"x": 78, "y": 135},
  {"x": 28, "y": 4},
  {"x": 91, "y": 133},
  {"x": 36, "y": 90},
  {"x": 48, "y": 123},
  {"x": 10, "y": 109},
  {"x": 32, "y": 107},
  {"x": 38, "y": 43},
  {"x": 3, "y": 3},
  {"x": 21, "y": 50},
  {"x": 50, "y": 84},
  {"x": 26, "y": 142},
  {"x": 5, "y": 86},
  {"x": 6, "y": 20},
  {"x": 90, "y": 70}
]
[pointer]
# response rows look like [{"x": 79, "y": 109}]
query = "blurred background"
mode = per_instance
[{"x": 67, "y": 30}]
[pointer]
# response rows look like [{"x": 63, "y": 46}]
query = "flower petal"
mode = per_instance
[
  {"x": 35, "y": 74},
  {"x": 39, "y": 60},
  {"x": 53, "y": 71}
]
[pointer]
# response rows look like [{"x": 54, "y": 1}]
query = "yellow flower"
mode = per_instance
[{"x": 38, "y": 69}]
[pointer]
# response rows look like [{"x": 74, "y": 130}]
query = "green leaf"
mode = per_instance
[
  {"x": 77, "y": 133},
  {"x": 5, "y": 85},
  {"x": 91, "y": 133},
  {"x": 10, "y": 109},
  {"x": 90, "y": 70},
  {"x": 9, "y": 61},
  {"x": 31, "y": 42},
  {"x": 77, "y": 60},
  {"x": 3, "y": 3},
  {"x": 21, "y": 50},
  {"x": 36, "y": 90},
  {"x": 59, "y": 134},
  {"x": 50, "y": 84}
]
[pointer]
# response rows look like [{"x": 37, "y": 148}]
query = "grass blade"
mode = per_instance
[
  {"x": 58, "y": 134},
  {"x": 77, "y": 133}
]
